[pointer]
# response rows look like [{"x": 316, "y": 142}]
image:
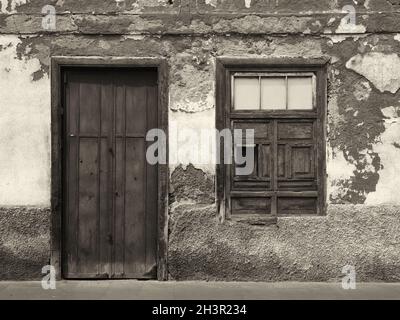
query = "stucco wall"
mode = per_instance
[
  {"x": 363, "y": 139},
  {"x": 296, "y": 248}
]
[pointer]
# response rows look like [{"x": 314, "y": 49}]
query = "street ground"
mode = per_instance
[{"x": 195, "y": 290}]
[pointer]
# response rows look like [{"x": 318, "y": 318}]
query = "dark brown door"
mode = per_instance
[{"x": 110, "y": 190}]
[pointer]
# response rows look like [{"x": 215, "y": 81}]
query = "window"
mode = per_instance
[
  {"x": 285, "y": 106},
  {"x": 270, "y": 91}
]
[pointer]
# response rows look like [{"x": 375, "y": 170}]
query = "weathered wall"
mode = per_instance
[
  {"x": 363, "y": 125},
  {"x": 297, "y": 248},
  {"x": 24, "y": 242}
]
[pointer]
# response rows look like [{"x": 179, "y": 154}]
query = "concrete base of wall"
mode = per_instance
[
  {"x": 24, "y": 242},
  {"x": 202, "y": 248},
  {"x": 297, "y": 248}
]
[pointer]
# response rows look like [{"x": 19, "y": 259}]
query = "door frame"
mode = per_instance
[{"x": 57, "y": 152}]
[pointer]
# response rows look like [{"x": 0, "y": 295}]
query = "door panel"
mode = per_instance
[{"x": 110, "y": 212}]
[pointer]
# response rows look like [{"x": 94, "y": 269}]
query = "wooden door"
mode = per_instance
[{"x": 110, "y": 190}]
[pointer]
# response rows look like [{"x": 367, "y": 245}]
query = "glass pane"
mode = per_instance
[
  {"x": 300, "y": 93},
  {"x": 273, "y": 93},
  {"x": 246, "y": 94}
]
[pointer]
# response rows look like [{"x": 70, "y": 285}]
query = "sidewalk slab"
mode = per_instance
[{"x": 196, "y": 290}]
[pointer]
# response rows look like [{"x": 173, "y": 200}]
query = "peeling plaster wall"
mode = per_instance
[
  {"x": 379, "y": 68},
  {"x": 363, "y": 138},
  {"x": 24, "y": 128},
  {"x": 388, "y": 148}
]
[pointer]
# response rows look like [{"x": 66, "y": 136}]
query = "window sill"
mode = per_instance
[{"x": 254, "y": 219}]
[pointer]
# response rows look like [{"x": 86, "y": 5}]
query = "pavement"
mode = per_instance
[{"x": 195, "y": 290}]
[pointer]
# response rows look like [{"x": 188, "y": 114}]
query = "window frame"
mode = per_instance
[{"x": 226, "y": 67}]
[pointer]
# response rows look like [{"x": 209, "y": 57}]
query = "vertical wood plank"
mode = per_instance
[
  {"x": 104, "y": 225},
  {"x": 120, "y": 211},
  {"x": 220, "y": 95},
  {"x": 275, "y": 167},
  {"x": 88, "y": 206},
  {"x": 320, "y": 163},
  {"x": 135, "y": 260},
  {"x": 90, "y": 108},
  {"x": 136, "y": 110},
  {"x": 105, "y": 247},
  {"x": 288, "y": 161},
  {"x": 120, "y": 171},
  {"x": 163, "y": 174},
  {"x": 72, "y": 159},
  {"x": 151, "y": 192}
]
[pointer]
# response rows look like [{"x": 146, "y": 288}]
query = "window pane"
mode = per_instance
[
  {"x": 273, "y": 93},
  {"x": 247, "y": 94},
  {"x": 300, "y": 93}
]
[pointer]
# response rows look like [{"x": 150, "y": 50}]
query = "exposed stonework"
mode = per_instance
[{"x": 191, "y": 185}]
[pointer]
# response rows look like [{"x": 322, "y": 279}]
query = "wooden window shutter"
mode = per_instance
[{"x": 286, "y": 110}]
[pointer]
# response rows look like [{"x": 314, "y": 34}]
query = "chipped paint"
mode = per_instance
[
  {"x": 212, "y": 3},
  {"x": 362, "y": 90},
  {"x": 185, "y": 139},
  {"x": 25, "y": 129},
  {"x": 147, "y": 3},
  {"x": 346, "y": 27},
  {"x": 382, "y": 69},
  {"x": 192, "y": 86},
  {"x": 9, "y": 6},
  {"x": 387, "y": 148},
  {"x": 339, "y": 172},
  {"x": 337, "y": 38}
]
